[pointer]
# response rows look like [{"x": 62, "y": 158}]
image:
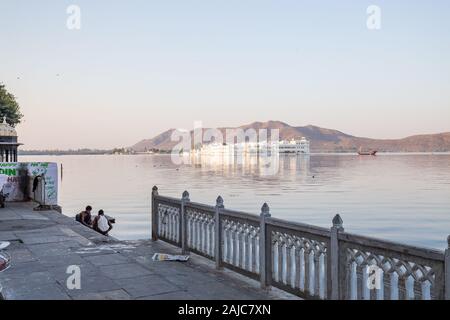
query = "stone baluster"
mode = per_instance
[
  {"x": 257, "y": 254},
  {"x": 298, "y": 264},
  {"x": 173, "y": 222},
  {"x": 265, "y": 248},
  {"x": 235, "y": 235},
  {"x": 218, "y": 237},
  {"x": 210, "y": 237},
  {"x": 202, "y": 232},
  {"x": 336, "y": 266},
  {"x": 360, "y": 285},
  {"x": 246, "y": 248},
  {"x": 168, "y": 217},
  {"x": 194, "y": 230},
  {"x": 402, "y": 294},
  {"x": 361, "y": 272},
  {"x": 307, "y": 270},
  {"x": 373, "y": 292},
  {"x": 188, "y": 231},
  {"x": 289, "y": 246},
  {"x": 231, "y": 245},
  {"x": 197, "y": 231},
  {"x": 325, "y": 275},
  {"x": 193, "y": 234},
  {"x": 254, "y": 257},
  {"x": 154, "y": 214},
  {"x": 235, "y": 256},
  {"x": 274, "y": 248},
  {"x": 224, "y": 241},
  {"x": 280, "y": 259},
  {"x": 177, "y": 228},
  {"x": 417, "y": 289},
  {"x": 226, "y": 249},
  {"x": 161, "y": 223},
  {"x": 184, "y": 200},
  {"x": 447, "y": 270},
  {"x": 316, "y": 254},
  {"x": 231, "y": 242},
  {"x": 387, "y": 282},
  {"x": 172, "y": 226},
  {"x": 208, "y": 242},
  {"x": 240, "y": 243},
  {"x": 173, "y": 232},
  {"x": 203, "y": 221},
  {"x": 303, "y": 281}
]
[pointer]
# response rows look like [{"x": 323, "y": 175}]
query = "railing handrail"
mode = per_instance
[
  {"x": 168, "y": 199},
  {"x": 201, "y": 206},
  {"x": 298, "y": 226},
  {"x": 397, "y": 247},
  {"x": 240, "y": 215},
  {"x": 262, "y": 247}
]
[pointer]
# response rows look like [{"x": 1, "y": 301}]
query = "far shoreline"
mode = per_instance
[{"x": 286, "y": 155}]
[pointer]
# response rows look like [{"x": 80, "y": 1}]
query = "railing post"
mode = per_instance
[
  {"x": 218, "y": 233},
  {"x": 336, "y": 291},
  {"x": 154, "y": 214},
  {"x": 183, "y": 236},
  {"x": 447, "y": 270},
  {"x": 265, "y": 249}
]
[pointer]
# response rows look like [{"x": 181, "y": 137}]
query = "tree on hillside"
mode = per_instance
[{"x": 9, "y": 107}]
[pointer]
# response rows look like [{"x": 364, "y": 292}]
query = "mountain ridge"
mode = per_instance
[{"x": 322, "y": 139}]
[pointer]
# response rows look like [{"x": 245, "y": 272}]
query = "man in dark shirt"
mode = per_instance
[{"x": 85, "y": 217}]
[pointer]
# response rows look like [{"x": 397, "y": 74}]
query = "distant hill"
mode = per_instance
[{"x": 323, "y": 140}]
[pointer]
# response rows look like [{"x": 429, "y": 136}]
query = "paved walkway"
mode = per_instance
[{"x": 44, "y": 244}]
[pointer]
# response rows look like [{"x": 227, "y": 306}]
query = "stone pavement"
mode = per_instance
[{"x": 44, "y": 244}]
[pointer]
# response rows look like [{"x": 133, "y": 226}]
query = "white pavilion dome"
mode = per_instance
[{"x": 7, "y": 130}]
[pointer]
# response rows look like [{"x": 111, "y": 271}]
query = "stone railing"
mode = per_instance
[{"x": 308, "y": 261}]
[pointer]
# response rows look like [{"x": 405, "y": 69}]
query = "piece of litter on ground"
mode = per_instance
[
  {"x": 169, "y": 257},
  {"x": 4, "y": 244},
  {"x": 5, "y": 261}
]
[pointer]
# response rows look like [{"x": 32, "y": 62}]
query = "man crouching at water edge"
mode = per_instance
[
  {"x": 101, "y": 223},
  {"x": 85, "y": 217}
]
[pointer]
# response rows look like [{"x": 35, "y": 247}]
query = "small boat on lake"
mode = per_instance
[{"x": 367, "y": 153}]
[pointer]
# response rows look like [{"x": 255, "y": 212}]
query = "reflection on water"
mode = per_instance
[{"x": 397, "y": 197}]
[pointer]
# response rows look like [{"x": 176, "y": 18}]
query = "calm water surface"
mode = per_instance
[{"x": 397, "y": 197}]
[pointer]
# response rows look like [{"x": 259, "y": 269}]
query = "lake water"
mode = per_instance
[{"x": 403, "y": 197}]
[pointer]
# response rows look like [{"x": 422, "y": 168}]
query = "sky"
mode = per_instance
[{"x": 137, "y": 68}]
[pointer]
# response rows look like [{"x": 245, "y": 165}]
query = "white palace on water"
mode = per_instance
[{"x": 294, "y": 146}]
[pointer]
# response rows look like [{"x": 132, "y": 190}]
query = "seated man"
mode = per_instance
[
  {"x": 85, "y": 217},
  {"x": 101, "y": 223}
]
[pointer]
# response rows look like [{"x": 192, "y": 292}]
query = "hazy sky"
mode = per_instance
[{"x": 137, "y": 68}]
